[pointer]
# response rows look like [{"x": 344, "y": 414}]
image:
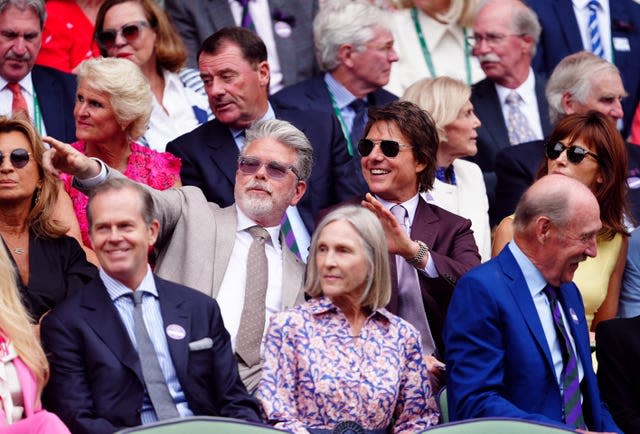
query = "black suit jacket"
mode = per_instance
[
  {"x": 618, "y": 352},
  {"x": 96, "y": 383},
  {"x": 561, "y": 37},
  {"x": 492, "y": 134},
  {"x": 516, "y": 169},
  {"x": 56, "y": 92},
  {"x": 209, "y": 161}
]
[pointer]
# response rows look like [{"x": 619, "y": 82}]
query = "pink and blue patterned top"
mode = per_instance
[
  {"x": 316, "y": 374},
  {"x": 160, "y": 170}
]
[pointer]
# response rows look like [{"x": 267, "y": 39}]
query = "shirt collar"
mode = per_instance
[
  {"x": 535, "y": 281},
  {"x": 434, "y": 30},
  {"x": 244, "y": 223},
  {"x": 527, "y": 90},
  {"x": 26, "y": 83},
  {"x": 340, "y": 93},
  {"x": 117, "y": 289},
  {"x": 410, "y": 205},
  {"x": 268, "y": 115},
  {"x": 323, "y": 304}
]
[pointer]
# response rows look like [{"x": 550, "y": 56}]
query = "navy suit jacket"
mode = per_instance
[
  {"x": 209, "y": 161},
  {"x": 492, "y": 134},
  {"x": 516, "y": 169},
  {"x": 56, "y": 91},
  {"x": 561, "y": 37},
  {"x": 96, "y": 383},
  {"x": 312, "y": 94},
  {"x": 498, "y": 360}
]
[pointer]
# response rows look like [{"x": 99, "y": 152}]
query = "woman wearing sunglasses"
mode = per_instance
[
  {"x": 139, "y": 30},
  {"x": 587, "y": 147},
  {"x": 112, "y": 110},
  {"x": 48, "y": 264},
  {"x": 459, "y": 185}
]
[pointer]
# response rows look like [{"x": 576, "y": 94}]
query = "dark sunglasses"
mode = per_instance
[
  {"x": 18, "y": 157},
  {"x": 275, "y": 170},
  {"x": 390, "y": 148},
  {"x": 575, "y": 154},
  {"x": 130, "y": 32}
]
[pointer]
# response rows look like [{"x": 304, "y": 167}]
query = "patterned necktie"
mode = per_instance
[
  {"x": 359, "y": 107},
  {"x": 594, "y": 30},
  {"x": 19, "y": 103},
  {"x": 246, "y": 21},
  {"x": 289, "y": 236},
  {"x": 569, "y": 378},
  {"x": 154, "y": 380},
  {"x": 410, "y": 304},
  {"x": 517, "y": 124},
  {"x": 251, "y": 326}
]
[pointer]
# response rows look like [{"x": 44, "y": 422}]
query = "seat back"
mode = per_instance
[
  {"x": 202, "y": 425},
  {"x": 497, "y": 426}
]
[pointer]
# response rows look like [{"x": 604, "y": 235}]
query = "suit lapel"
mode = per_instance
[
  {"x": 175, "y": 311},
  {"x": 223, "y": 150},
  {"x": 102, "y": 316},
  {"x": 226, "y": 223},
  {"x": 47, "y": 91},
  {"x": 492, "y": 113},
  {"x": 284, "y": 46},
  {"x": 543, "y": 107},
  {"x": 569, "y": 29},
  {"x": 219, "y": 13},
  {"x": 424, "y": 226},
  {"x": 571, "y": 308}
]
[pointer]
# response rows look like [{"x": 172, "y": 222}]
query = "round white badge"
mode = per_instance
[
  {"x": 282, "y": 29},
  {"x": 175, "y": 331}
]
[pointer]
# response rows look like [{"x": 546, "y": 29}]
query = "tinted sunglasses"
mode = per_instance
[
  {"x": 130, "y": 32},
  {"x": 575, "y": 154},
  {"x": 275, "y": 170},
  {"x": 390, "y": 148},
  {"x": 18, "y": 157}
]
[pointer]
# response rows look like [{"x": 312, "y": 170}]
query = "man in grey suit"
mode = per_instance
[
  {"x": 284, "y": 25},
  {"x": 206, "y": 247}
]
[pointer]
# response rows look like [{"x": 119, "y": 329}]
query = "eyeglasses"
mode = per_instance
[
  {"x": 390, "y": 148},
  {"x": 130, "y": 32},
  {"x": 491, "y": 39},
  {"x": 575, "y": 154},
  {"x": 18, "y": 157},
  {"x": 275, "y": 170}
]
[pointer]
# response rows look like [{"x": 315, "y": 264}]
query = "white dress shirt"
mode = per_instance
[
  {"x": 28, "y": 91},
  {"x": 529, "y": 106}
]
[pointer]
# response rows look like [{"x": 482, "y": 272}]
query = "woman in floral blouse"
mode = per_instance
[
  {"x": 113, "y": 106},
  {"x": 341, "y": 359}
]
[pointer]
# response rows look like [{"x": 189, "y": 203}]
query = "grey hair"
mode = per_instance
[
  {"x": 524, "y": 21},
  {"x": 377, "y": 292},
  {"x": 575, "y": 75},
  {"x": 285, "y": 133},
  {"x": 341, "y": 22},
  {"x": 37, "y": 6},
  {"x": 128, "y": 89},
  {"x": 120, "y": 184}
]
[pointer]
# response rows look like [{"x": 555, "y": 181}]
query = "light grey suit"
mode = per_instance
[
  {"x": 196, "y": 20},
  {"x": 194, "y": 246}
]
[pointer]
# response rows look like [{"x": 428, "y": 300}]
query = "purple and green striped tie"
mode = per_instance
[
  {"x": 569, "y": 378},
  {"x": 289, "y": 237},
  {"x": 246, "y": 21}
]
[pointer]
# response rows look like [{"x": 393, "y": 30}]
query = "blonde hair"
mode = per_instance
[
  {"x": 15, "y": 324},
  {"x": 128, "y": 89},
  {"x": 377, "y": 292},
  {"x": 441, "y": 97}
]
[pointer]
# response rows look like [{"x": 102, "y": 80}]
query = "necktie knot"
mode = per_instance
[
  {"x": 551, "y": 292},
  {"x": 14, "y": 87},
  {"x": 137, "y": 297},
  {"x": 258, "y": 233},
  {"x": 244, "y": 3},
  {"x": 593, "y": 5},
  {"x": 400, "y": 213},
  {"x": 513, "y": 98},
  {"x": 18, "y": 104},
  {"x": 358, "y": 105}
]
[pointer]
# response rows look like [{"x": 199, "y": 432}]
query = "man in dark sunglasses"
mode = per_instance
[
  {"x": 207, "y": 248},
  {"x": 45, "y": 94},
  {"x": 430, "y": 248},
  {"x": 581, "y": 82}
]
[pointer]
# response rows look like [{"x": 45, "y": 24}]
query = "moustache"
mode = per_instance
[
  {"x": 259, "y": 185},
  {"x": 491, "y": 57},
  {"x": 13, "y": 56}
]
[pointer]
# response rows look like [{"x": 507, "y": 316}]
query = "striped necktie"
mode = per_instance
[
  {"x": 289, "y": 236},
  {"x": 246, "y": 21},
  {"x": 594, "y": 30},
  {"x": 569, "y": 378}
]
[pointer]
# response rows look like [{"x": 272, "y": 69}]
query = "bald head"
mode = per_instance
[{"x": 556, "y": 224}]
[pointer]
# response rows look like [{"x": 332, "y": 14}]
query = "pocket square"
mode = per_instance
[{"x": 201, "y": 344}]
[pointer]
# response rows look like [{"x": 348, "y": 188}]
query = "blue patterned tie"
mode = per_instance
[
  {"x": 517, "y": 123},
  {"x": 569, "y": 378},
  {"x": 594, "y": 31}
]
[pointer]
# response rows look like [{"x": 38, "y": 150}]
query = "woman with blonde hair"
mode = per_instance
[
  {"x": 24, "y": 369},
  {"x": 326, "y": 361},
  {"x": 459, "y": 185}
]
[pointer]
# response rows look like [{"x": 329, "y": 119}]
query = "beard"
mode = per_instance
[{"x": 259, "y": 206}]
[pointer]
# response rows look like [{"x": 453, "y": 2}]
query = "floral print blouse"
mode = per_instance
[
  {"x": 316, "y": 374},
  {"x": 160, "y": 170}
]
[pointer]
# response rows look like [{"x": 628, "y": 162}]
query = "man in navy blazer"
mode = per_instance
[
  {"x": 50, "y": 94},
  {"x": 504, "y": 356},
  {"x": 233, "y": 64},
  {"x": 355, "y": 49},
  {"x": 98, "y": 382},
  {"x": 561, "y": 36}
]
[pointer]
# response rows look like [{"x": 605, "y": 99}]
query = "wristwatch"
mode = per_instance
[{"x": 420, "y": 254}]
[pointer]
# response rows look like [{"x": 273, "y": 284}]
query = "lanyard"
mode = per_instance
[
  {"x": 37, "y": 114},
  {"x": 343, "y": 125},
  {"x": 427, "y": 54}
]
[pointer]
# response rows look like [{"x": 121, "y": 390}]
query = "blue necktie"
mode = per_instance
[{"x": 594, "y": 30}]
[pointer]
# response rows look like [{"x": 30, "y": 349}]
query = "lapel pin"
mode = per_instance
[
  {"x": 574, "y": 316},
  {"x": 175, "y": 331}
]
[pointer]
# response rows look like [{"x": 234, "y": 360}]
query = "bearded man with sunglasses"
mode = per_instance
[
  {"x": 430, "y": 247},
  {"x": 46, "y": 94},
  {"x": 209, "y": 248}
]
